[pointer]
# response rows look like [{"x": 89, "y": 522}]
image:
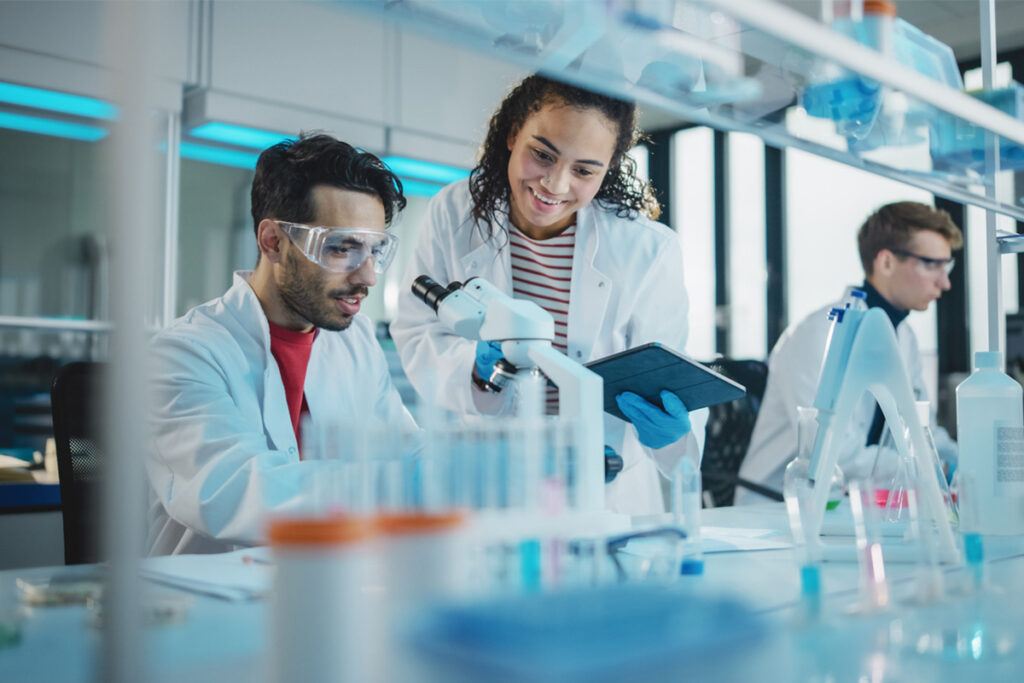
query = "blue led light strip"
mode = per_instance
[
  {"x": 419, "y": 178},
  {"x": 418, "y": 188},
  {"x": 238, "y": 135},
  {"x": 425, "y": 170},
  {"x": 56, "y": 101},
  {"x": 217, "y": 155},
  {"x": 60, "y": 129}
]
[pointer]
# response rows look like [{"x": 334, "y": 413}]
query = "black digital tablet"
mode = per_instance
[{"x": 646, "y": 370}]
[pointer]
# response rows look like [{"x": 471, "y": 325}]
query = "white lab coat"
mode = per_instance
[
  {"x": 225, "y": 453},
  {"x": 793, "y": 370},
  {"x": 627, "y": 289}
]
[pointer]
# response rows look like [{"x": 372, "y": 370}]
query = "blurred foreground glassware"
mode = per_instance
[
  {"x": 686, "y": 513},
  {"x": 319, "y": 612},
  {"x": 874, "y": 589}
]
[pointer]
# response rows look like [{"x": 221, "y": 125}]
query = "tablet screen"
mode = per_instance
[{"x": 647, "y": 370}]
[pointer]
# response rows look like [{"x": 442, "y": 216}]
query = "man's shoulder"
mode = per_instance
[
  {"x": 806, "y": 336},
  {"x": 212, "y": 330}
]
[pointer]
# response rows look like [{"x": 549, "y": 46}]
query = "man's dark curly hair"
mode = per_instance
[
  {"x": 287, "y": 173},
  {"x": 621, "y": 191}
]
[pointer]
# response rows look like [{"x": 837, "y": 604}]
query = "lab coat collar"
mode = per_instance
[
  {"x": 591, "y": 288},
  {"x": 243, "y": 303},
  {"x": 489, "y": 257}
]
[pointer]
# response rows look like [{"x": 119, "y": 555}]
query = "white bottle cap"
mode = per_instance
[{"x": 924, "y": 413}]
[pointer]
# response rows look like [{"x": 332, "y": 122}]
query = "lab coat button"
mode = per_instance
[
  {"x": 293, "y": 450},
  {"x": 472, "y": 264},
  {"x": 601, "y": 283},
  {"x": 579, "y": 354}
]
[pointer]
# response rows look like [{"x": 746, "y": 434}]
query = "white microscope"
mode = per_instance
[
  {"x": 478, "y": 310},
  {"x": 863, "y": 356}
]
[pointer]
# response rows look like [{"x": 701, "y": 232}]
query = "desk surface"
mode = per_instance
[{"x": 228, "y": 642}]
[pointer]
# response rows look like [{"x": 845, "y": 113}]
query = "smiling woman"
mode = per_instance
[
  {"x": 548, "y": 183},
  {"x": 554, "y": 213}
]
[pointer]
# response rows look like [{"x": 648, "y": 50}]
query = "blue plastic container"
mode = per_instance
[
  {"x": 855, "y": 102},
  {"x": 959, "y": 145}
]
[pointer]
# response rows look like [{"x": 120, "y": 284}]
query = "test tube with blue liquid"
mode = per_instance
[
  {"x": 974, "y": 547},
  {"x": 797, "y": 493},
  {"x": 686, "y": 506}
]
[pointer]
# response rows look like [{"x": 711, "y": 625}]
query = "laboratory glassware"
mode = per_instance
[
  {"x": 686, "y": 513},
  {"x": 990, "y": 435},
  {"x": 422, "y": 558},
  {"x": 874, "y": 588},
  {"x": 319, "y": 606}
]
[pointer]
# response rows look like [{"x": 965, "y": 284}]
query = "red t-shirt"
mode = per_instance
[{"x": 291, "y": 350}]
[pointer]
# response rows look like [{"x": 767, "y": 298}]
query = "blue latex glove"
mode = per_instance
[
  {"x": 487, "y": 354},
  {"x": 655, "y": 427}
]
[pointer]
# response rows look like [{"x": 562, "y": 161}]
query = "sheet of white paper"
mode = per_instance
[
  {"x": 718, "y": 539},
  {"x": 240, "y": 575}
]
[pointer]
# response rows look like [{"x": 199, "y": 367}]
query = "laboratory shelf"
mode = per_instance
[
  {"x": 757, "y": 67},
  {"x": 56, "y": 324}
]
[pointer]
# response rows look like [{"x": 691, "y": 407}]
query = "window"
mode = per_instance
[
  {"x": 748, "y": 274},
  {"x": 693, "y": 216},
  {"x": 826, "y": 203}
]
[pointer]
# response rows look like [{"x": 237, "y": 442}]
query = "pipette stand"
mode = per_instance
[{"x": 866, "y": 358}]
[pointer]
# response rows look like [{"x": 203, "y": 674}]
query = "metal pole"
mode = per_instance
[
  {"x": 131, "y": 188},
  {"x": 172, "y": 198},
  {"x": 987, "y": 16}
]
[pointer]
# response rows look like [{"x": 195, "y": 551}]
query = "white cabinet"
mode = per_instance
[
  {"x": 308, "y": 56},
  {"x": 65, "y": 44},
  {"x": 446, "y": 91}
]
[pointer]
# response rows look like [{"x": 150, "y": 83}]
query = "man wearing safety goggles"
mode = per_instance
[
  {"x": 237, "y": 376},
  {"x": 906, "y": 249}
]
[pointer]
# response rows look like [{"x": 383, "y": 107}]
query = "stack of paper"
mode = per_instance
[{"x": 239, "y": 575}]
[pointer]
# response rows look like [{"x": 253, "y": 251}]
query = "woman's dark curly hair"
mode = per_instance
[{"x": 621, "y": 190}]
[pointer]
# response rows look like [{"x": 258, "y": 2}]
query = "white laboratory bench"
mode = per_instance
[{"x": 227, "y": 641}]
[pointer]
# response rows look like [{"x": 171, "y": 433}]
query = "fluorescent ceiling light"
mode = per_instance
[
  {"x": 417, "y": 188},
  {"x": 60, "y": 129},
  {"x": 218, "y": 155},
  {"x": 425, "y": 170},
  {"x": 238, "y": 135},
  {"x": 56, "y": 101}
]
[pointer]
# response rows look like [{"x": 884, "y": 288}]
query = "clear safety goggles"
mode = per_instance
[
  {"x": 930, "y": 265},
  {"x": 342, "y": 250}
]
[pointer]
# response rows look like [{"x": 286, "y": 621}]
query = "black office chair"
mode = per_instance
[
  {"x": 75, "y": 402},
  {"x": 728, "y": 433}
]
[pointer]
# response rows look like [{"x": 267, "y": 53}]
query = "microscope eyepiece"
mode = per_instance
[{"x": 430, "y": 292}]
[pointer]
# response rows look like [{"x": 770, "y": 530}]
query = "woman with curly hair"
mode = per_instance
[{"x": 555, "y": 213}]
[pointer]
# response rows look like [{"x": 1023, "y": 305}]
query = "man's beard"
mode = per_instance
[{"x": 305, "y": 296}]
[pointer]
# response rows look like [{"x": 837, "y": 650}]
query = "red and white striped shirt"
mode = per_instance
[{"x": 542, "y": 273}]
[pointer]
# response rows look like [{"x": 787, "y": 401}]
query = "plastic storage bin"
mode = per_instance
[
  {"x": 858, "y": 104},
  {"x": 955, "y": 144}
]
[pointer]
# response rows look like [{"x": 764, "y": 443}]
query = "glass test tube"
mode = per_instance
[
  {"x": 686, "y": 509},
  {"x": 874, "y": 588}
]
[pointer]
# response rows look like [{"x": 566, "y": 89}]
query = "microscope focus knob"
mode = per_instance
[{"x": 612, "y": 464}]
